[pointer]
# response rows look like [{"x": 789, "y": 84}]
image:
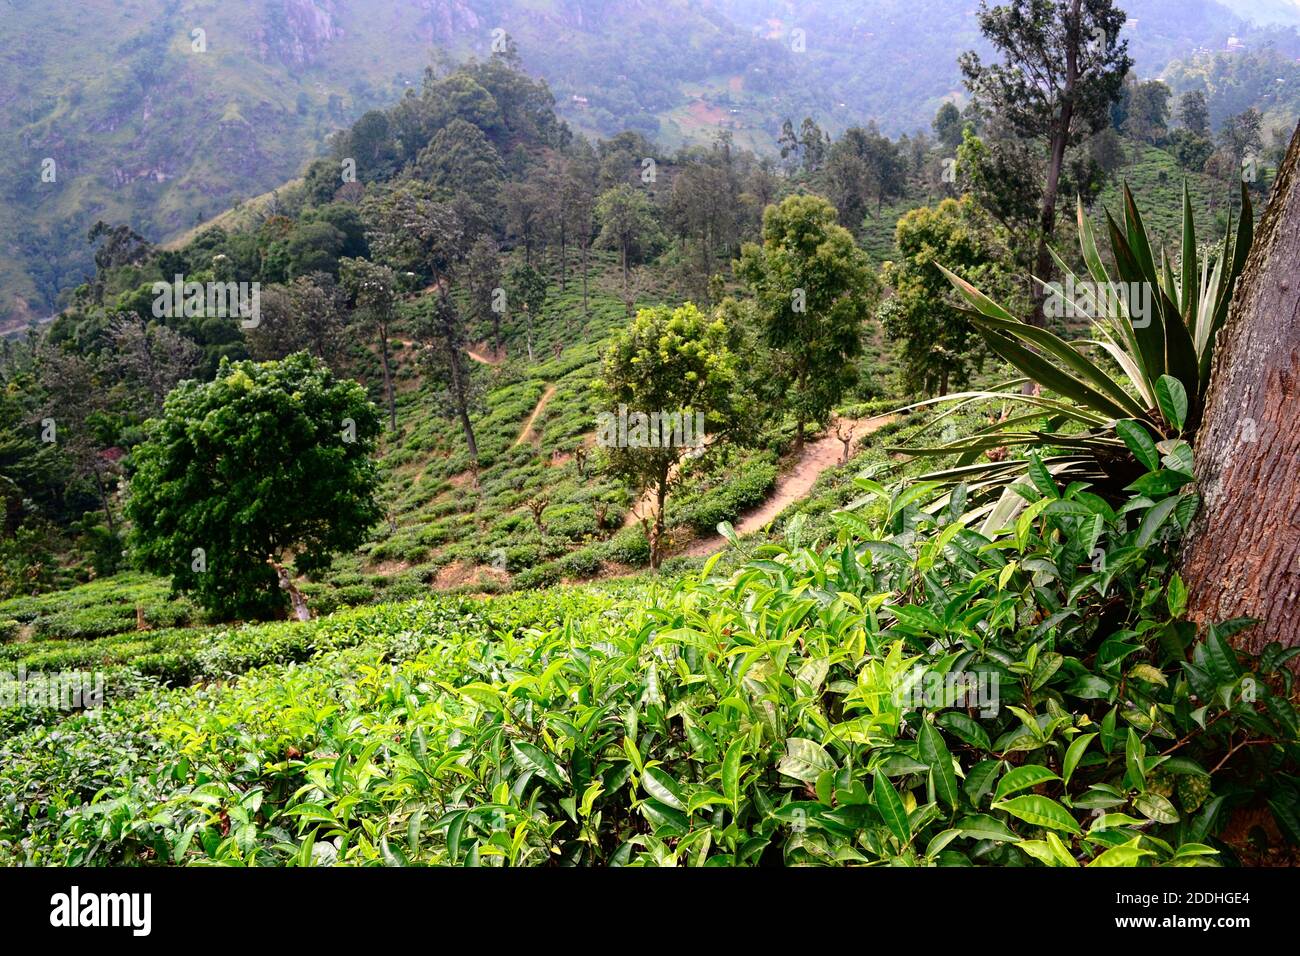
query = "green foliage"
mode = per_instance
[
  {"x": 669, "y": 362},
  {"x": 267, "y": 459},
  {"x": 912, "y": 692},
  {"x": 939, "y": 345},
  {"x": 745, "y": 485},
  {"x": 814, "y": 290},
  {"x": 1158, "y": 328}
]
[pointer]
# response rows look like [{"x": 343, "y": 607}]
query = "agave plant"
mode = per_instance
[{"x": 1091, "y": 420}]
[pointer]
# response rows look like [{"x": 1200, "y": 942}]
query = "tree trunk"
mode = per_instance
[
  {"x": 564, "y": 256},
  {"x": 1056, "y": 159},
  {"x": 1242, "y": 557},
  {"x": 103, "y": 499},
  {"x": 388, "y": 378},
  {"x": 462, "y": 403},
  {"x": 452, "y": 340},
  {"x": 585, "y": 249},
  {"x": 657, "y": 534}
]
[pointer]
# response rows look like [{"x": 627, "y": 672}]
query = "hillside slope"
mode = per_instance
[{"x": 144, "y": 120}]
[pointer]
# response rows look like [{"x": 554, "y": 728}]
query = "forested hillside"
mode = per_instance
[
  {"x": 526, "y": 481},
  {"x": 147, "y": 122}
]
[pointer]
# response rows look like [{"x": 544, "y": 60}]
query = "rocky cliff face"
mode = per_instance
[
  {"x": 296, "y": 32},
  {"x": 444, "y": 21}
]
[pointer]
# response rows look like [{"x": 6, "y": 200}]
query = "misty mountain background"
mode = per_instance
[{"x": 145, "y": 128}]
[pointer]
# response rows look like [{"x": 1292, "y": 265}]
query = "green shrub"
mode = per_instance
[
  {"x": 570, "y": 521},
  {"x": 911, "y": 690},
  {"x": 583, "y": 563},
  {"x": 629, "y": 546},
  {"x": 744, "y": 488},
  {"x": 541, "y": 576}
]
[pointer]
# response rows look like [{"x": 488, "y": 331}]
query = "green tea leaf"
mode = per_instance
[
  {"x": 1022, "y": 778},
  {"x": 890, "y": 807},
  {"x": 1039, "y": 811}
]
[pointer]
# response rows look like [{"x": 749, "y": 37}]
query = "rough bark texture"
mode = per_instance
[{"x": 1243, "y": 555}]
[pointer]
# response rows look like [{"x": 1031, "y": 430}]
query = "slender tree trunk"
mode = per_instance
[
  {"x": 800, "y": 415},
  {"x": 300, "y": 610},
  {"x": 585, "y": 249},
  {"x": 1056, "y": 159},
  {"x": 455, "y": 361},
  {"x": 103, "y": 499},
  {"x": 1242, "y": 557},
  {"x": 462, "y": 404},
  {"x": 388, "y": 377},
  {"x": 657, "y": 534},
  {"x": 564, "y": 257}
]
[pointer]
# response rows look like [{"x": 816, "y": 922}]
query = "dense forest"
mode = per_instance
[{"x": 507, "y": 490}]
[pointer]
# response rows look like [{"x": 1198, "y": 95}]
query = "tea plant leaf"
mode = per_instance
[
  {"x": 1126, "y": 854},
  {"x": 731, "y": 770},
  {"x": 1153, "y": 806},
  {"x": 935, "y": 753},
  {"x": 981, "y": 826},
  {"x": 1073, "y": 754},
  {"x": 663, "y": 788},
  {"x": 805, "y": 760},
  {"x": 539, "y": 762},
  {"x": 890, "y": 807},
  {"x": 1139, "y": 442},
  {"x": 1172, "y": 397},
  {"x": 1022, "y": 778},
  {"x": 1039, "y": 811}
]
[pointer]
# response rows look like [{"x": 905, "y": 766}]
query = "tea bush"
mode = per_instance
[
  {"x": 912, "y": 692},
  {"x": 746, "y": 486}
]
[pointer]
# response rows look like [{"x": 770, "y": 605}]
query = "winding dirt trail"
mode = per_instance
[
  {"x": 794, "y": 483},
  {"x": 526, "y": 433},
  {"x": 478, "y": 353}
]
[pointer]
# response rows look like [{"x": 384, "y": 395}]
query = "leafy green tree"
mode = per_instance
[
  {"x": 814, "y": 144},
  {"x": 1189, "y": 150},
  {"x": 668, "y": 362},
  {"x": 441, "y": 328},
  {"x": 578, "y": 198},
  {"x": 313, "y": 247},
  {"x": 483, "y": 277},
  {"x": 627, "y": 224},
  {"x": 939, "y": 344},
  {"x": 412, "y": 228},
  {"x": 265, "y": 463},
  {"x": 704, "y": 210},
  {"x": 863, "y": 166},
  {"x": 1063, "y": 66},
  {"x": 947, "y": 126},
  {"x": 1194, "y": 113},
  {"x": 1147, "y": 116},
  {"x": 308, "y": 314},
  {"x": 814, "y": 289},
  {"x": 528, "y": 289},
  {"x": 461, "y": 159},
  {"x": 372, "y": 289}
]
